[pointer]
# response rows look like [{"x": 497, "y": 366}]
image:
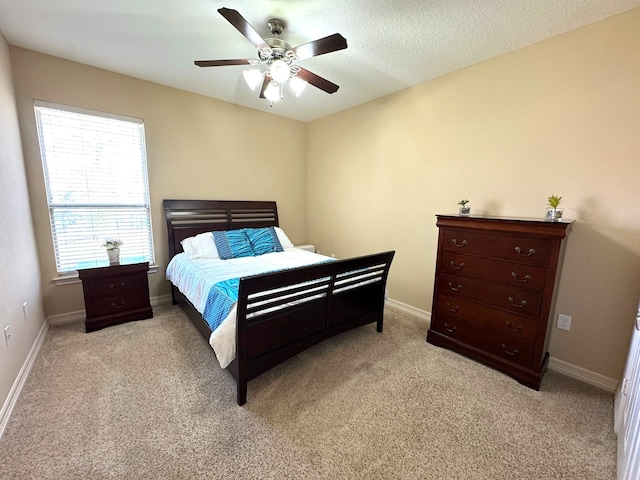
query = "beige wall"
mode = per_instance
[
  {"x": 559, "y": 117},
  {"x": 19, "y": 271},
  {"x": 197, "y": 147}
]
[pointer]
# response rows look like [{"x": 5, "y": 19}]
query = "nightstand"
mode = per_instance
[{"x": 115, "y": 294}]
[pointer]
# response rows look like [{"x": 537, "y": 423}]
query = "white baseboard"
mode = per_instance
[
  {"x": 69, "y": 317},
  {"x": 14, "y": 393},
  {"x": 560, "y": 366},
  {"x": 403, "y": 307},
  {"x": 582, "y": 374},
  {"x": 80, "y": 315}
]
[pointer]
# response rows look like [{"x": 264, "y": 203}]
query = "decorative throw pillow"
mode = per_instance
[
  {"x": 263, "y": 240},
  {"x": 232, "y": 244}
]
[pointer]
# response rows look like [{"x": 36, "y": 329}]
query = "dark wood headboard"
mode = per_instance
[{"x": 186, "y": 218}]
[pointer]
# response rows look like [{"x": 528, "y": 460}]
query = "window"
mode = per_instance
[{"x": 95, "y": 172}]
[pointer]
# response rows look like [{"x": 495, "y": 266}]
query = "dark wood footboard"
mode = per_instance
[{"x": 281, "y": 314}]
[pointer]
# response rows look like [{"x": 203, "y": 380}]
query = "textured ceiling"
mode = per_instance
[{"x": 392, "y": 44}]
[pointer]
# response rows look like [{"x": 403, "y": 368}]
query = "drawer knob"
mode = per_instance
[
  {"x": 453, "y": 309},
  {"x": 459, "y": 245},
  {"x": 512, "y": 328},
  {"x": 455, "y": 289},
  {"x": 512, "y": 353},
  {"x": 449, "y": 329},
  {"x": 522, "y": 280},
  {"x": 457, "y": 267},
  {"x": 528, "y": 254},
  {"x": 113, "y": 286},
  {"x": 116, "y": 306},
  {"x": 518, "y": 305}
]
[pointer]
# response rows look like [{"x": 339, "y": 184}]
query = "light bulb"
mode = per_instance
[
  {"x": 253, "y": 77},
  {"x": 272, "y": 92},
  {"x": 297, "y": 85},
  {"x": 280, "y": 71}
]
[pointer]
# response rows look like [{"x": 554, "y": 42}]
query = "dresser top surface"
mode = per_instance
[{"x": 537, "y": 226}]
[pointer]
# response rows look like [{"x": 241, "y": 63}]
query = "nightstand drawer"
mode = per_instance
[
  {"x": 116, "y": 304},
  {"x": 117, "y": 285},
  {"x": 533, "y": 251}
]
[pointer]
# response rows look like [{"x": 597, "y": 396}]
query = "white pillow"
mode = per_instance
[
  {"x": 283, "y": 239},
  {"x": 189, "y": 247},
  {"x": 206, "y": 246}
]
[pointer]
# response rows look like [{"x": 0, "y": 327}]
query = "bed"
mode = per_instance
[{"x": 280, "y": 313}]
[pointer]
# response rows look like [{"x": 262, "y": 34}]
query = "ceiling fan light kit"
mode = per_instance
[{"x": 279, "y": 59}]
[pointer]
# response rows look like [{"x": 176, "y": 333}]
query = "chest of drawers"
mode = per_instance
[
  {"x": 494, "y": 291},
  {"x": 115, "y": 294}
]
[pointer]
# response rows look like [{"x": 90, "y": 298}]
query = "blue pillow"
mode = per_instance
[
  {"x": 232, "y": 244},
  {"x": 263, "y": 240}
]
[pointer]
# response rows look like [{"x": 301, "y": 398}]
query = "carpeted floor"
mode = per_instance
[{"x": 146, "y": 400}]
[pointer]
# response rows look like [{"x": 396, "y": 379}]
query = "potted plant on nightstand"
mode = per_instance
[
  {"x": 464, "y": 210},
  {"x": 113, "y": 250},
  {"x": 553, "y": 213}
]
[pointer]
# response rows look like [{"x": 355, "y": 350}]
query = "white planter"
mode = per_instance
[{"x": 114, "y": 256}]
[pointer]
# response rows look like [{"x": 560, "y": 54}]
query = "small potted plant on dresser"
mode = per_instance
[
  {"x": 464, "y": 209},
  {"x": 553, "y": 213}
]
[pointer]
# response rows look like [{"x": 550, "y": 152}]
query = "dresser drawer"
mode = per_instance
[
  {"x": 117, "y": 285},
  {"x": 501, "y": 346},
  {"x": 525, "y": 276},
  {"x": 532, "y": 251},
  {"x": 513, "y": 300},
  {"x": 116, "y": 304},
  {"x": 521, "y": 328}
]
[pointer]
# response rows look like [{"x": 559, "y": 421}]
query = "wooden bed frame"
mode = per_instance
[{"x": 312, "y": 303}]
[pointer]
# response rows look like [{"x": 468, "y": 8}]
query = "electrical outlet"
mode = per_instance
[
  {"x": 564, "y": 322},
  {"x": 7, "y": 335},
  {"x": 25, "y": 310}
]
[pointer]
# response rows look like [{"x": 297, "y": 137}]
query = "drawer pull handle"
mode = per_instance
[
  {"x": 512, "y": 328},
  {"x": 520, "y": 305},
  {"x": 459, "y": 245},
  {"x": 113, "y": 286},
  {"x": 457, "y": 267},
  {"x": 113, "y": 305},
  {"x": 528, "y": 254},
  {"x": 513, "y": 352},
  {"x": 455, "y": 289},
  {"x": 522, "y": 280},
  {"x": 453, "y": 309},
  {"x": 450, "y": 329}
]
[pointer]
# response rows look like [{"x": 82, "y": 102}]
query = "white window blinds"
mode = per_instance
[{"x": 95, "y": 171}]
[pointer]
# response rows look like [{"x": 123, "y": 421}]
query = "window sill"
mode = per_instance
[{"x": 71, "y": 278}]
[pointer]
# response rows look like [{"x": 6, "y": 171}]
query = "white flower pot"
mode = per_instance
[{"x": 114, "y": 256}]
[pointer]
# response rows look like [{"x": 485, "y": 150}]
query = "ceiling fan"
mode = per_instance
[{"x": 279, "y": 58}]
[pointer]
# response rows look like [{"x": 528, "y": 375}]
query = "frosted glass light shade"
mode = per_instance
[
  {"x": 297, "y": 85},
  {"x": 272, "y": 92},
  {"x": 253, "y": 78},
  {"x": 280, "y": 71}
]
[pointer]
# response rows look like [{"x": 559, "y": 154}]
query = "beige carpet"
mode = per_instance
[{"x": 147, "y": 400}]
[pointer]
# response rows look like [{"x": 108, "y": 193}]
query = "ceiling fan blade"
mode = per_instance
[
  {"x": 317, "y": 81},
  {"x": 238, "y": 21},
  {"x": 321, "y": 46},
  {"x": 265, "y": 83},
  {"x": 221, "y": 63}
]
